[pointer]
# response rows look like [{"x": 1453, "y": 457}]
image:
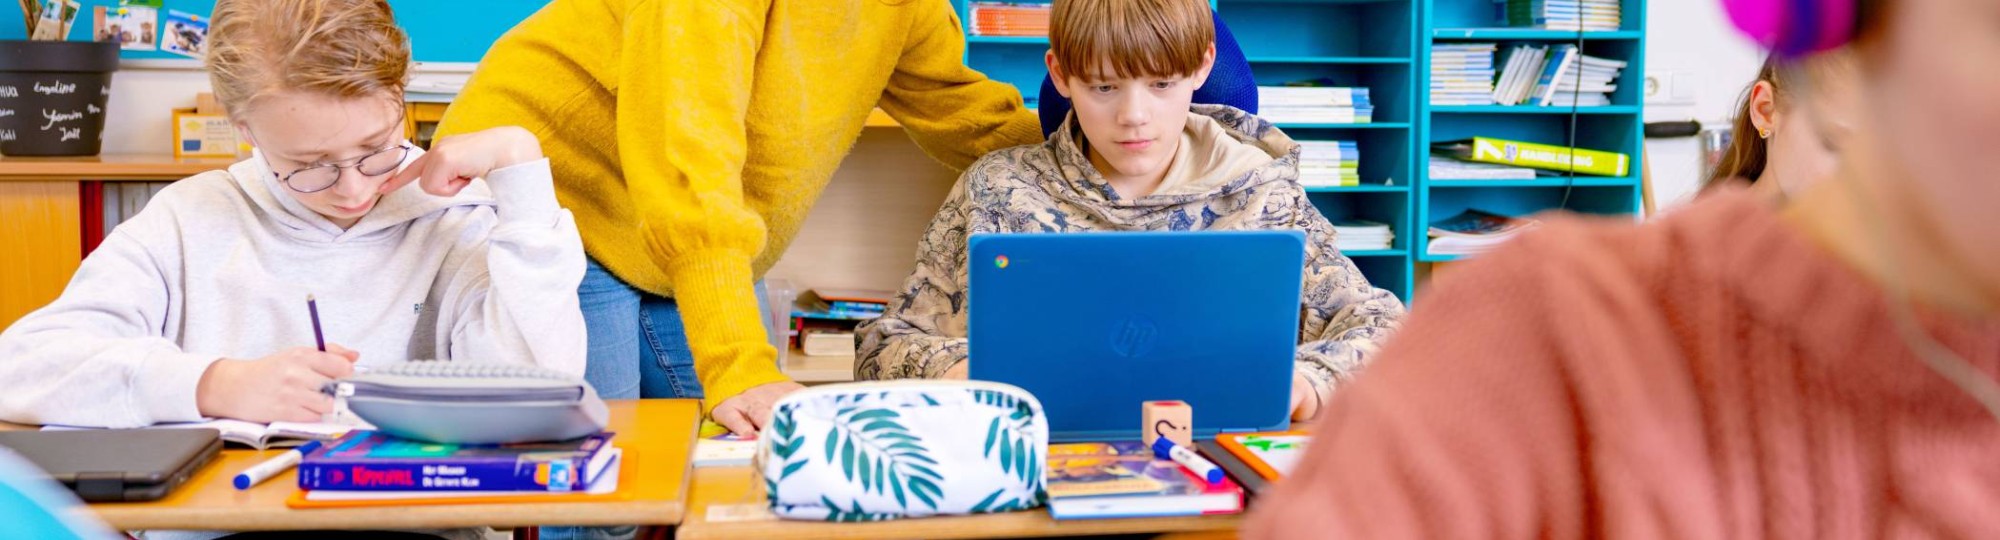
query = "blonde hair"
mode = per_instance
[
  {"x": 1134, "y": 38},
  {"x": 340, "y": 48}
]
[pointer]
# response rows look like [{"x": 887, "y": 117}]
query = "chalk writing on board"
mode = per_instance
[
  {"x": 55, "y": 88},
  {"x": 9, "y": 92},
  {"x": 71, "y": 134},
  {"x": 6, "y": 113},
  {"x": 92, "y": 107},
  {"x": 58, "y": 117},
  {"x": 6, "y": 134}
]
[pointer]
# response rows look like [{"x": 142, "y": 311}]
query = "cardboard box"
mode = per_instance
[{"x": 205, "y": 135}]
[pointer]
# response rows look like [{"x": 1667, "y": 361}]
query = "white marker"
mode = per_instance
[
  {"x": 260, "y": 472},
  {"x": 1165, "y": 448}
]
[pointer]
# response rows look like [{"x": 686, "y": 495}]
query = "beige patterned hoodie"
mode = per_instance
[{"x": 1051, "y": 187}]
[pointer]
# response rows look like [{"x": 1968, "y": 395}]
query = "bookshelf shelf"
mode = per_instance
[
  {"x": 1358, "y": 253},
  {"x": 1364, "y": 188},
  {"x": 1528, "y": 34},
  {"x": 1579, "y": 181},
  {"x": 1528, "y": 109},
  {"x": 1336, "y": 60},
  {"x": 1429, "y": 258},
  {"x": 1007, "y": 40},
  {"x": 1369, "y": 125}
]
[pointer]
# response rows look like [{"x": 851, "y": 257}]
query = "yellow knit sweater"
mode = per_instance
[{"x": 690, "y": 137}]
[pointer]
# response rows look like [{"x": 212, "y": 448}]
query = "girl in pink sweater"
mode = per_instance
[{"x": 1825, "y": 370}]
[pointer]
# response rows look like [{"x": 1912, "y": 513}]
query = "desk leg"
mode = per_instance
[{"x": 40, "y": 244}]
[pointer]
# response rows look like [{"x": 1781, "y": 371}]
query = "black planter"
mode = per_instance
[{"x": 52, "y": 96}]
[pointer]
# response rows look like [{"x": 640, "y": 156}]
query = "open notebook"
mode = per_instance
[{"x": 263, "y": 436}]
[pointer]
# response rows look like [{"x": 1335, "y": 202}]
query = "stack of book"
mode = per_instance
[
  {"x": 1315, "y": 105},
  {"x": 1122, "y": 479},
  {"x": 1329, "y": 163},
  {"x": 1473, "y": 232},
  {"x": 1574, "y": 15},
  {"x": 1448, "y": 168},
  {"x": 1462, "y": 74},
  {"x": 1363, "y": 235},
  {"x": 824, "y": 319},
  {"x": 1010, "y": 19},
  {"x": 1560, "y": 76},
  {"x": 373, "y": 466}
]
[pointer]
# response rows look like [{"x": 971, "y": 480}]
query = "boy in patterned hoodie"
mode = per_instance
[{"x": 1134, "y": 155}]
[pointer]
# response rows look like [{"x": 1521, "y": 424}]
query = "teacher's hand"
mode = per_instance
[
  {"x": 744, "y": 414},
  {"x": 453, "y": 162}
]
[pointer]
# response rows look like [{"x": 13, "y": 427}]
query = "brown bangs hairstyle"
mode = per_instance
[
  {"x": 1130, "y": 38},
  {"x": 340, "y": 48}
]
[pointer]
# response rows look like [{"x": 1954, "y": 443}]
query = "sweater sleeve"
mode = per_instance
[
  {"x": 923, "y": 334},
  {"x": 98, "y": 356},
  {"x": 1466, "y": 414},
  {"x": 683, "y": 96},
  {"x": 953, "y": 112},
  {"x": 1344, "y": 318},
  {"x": 514, "y": 297}
]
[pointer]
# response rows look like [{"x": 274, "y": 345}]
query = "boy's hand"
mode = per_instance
[
  {"x": 453, "y": 162},
  {"x": 744, "y": 413},
  {"x": 1305, "y": 406},
  {"x": 281, "y": 387}
]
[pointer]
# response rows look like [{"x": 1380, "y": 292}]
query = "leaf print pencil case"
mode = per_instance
[{"x": 885, "y": 450}]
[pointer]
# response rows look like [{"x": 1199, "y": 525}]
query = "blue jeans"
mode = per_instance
[
  {"x": 638, "y": 349},
  {"x": 638, "y": 346}
]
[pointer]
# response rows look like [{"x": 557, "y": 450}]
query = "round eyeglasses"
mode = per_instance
[{"x": 319, "y": 177}]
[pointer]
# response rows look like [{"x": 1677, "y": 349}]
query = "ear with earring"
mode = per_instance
[{"x": 1763, "y": 133}]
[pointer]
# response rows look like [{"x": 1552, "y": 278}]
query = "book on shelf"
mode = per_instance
[
  {"x": 824, "y": 342},
  {"x": 1329, "y": 163},
  {"x": 1123, "y": 479},
  {"x": 1462, "y": 74},
  {"x": 375, "y": 461},
  {"x": 1300, "y": 104},
  {"x": 1539, "y": 156},
  {"x": 1363, "y": 235},
  {"x": 262, "y": 436},
  {"x": 1569, "y": 71},
  {"x": 1010, "y": 19},
  {"x": 1573, "y": 15},
  {"x": 1473, "y": 232},
  {"x": 1447, "y": 168}
]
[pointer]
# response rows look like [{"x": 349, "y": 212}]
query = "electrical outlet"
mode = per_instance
[{"x": 1669, "y": 88}]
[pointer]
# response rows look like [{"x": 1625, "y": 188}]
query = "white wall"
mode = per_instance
[
  {"x": 139, "y": 117},
  {"x": 1690, "y": 44}
]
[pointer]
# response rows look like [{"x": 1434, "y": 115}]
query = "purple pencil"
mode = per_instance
[{"x": 312, "y": 306}]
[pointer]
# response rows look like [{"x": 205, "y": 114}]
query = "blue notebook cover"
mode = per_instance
[{"x": 373, "y": 461}]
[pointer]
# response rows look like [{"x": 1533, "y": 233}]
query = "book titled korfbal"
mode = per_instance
[{"x": 373, "y": 461}]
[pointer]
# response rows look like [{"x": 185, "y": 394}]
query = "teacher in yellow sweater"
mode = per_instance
[{"x": 691, "y": 137}]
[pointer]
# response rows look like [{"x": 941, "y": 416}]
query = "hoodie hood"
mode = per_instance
[
  {"x": 1206, "y": 167},
  {"x": 279, "y": 209}
]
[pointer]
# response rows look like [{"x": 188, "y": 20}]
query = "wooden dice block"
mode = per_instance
[{"x": 1173, "y": 419}]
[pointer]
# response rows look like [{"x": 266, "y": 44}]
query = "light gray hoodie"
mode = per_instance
[{"x": 218, "y": 265}]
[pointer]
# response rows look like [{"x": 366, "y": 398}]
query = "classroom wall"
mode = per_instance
[{"x": 1693, "y": 39}]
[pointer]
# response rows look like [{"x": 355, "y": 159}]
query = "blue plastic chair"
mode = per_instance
[{"x": 1229, "y": 83}]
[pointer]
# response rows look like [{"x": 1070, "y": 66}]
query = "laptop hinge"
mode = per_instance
[{"x": 100, "y": 486}]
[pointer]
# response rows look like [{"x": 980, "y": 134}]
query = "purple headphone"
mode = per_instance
[{"x": 1794, "y": 28}]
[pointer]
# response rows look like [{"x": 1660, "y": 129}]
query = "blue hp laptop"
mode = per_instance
[{"x": 1094, "y": 324}]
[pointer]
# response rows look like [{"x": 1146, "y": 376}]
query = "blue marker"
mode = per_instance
[
  {"x": 1165, "y": 448},
  {"x": 260, "y": 472}
]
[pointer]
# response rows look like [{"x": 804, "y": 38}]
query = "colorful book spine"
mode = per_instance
[
  {"x": 371, "y": 461},
  {"x": 1546, "y": 156}
]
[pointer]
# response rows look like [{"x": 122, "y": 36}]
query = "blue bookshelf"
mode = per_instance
[
  {"x": 1618, "y": 127},
  {"x": 1385, "y": 45}
]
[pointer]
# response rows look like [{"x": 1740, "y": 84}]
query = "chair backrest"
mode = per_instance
[{"x": 1229, "y": 83}]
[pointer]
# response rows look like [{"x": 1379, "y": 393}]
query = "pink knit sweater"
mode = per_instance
[{"x": 1709, "y": 375}]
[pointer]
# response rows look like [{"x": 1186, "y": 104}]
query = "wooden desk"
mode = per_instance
[
  {"x": 655, "y": 434},
  {"x": 733, "y": 487},
  {"x": 41, "y": 234}
]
